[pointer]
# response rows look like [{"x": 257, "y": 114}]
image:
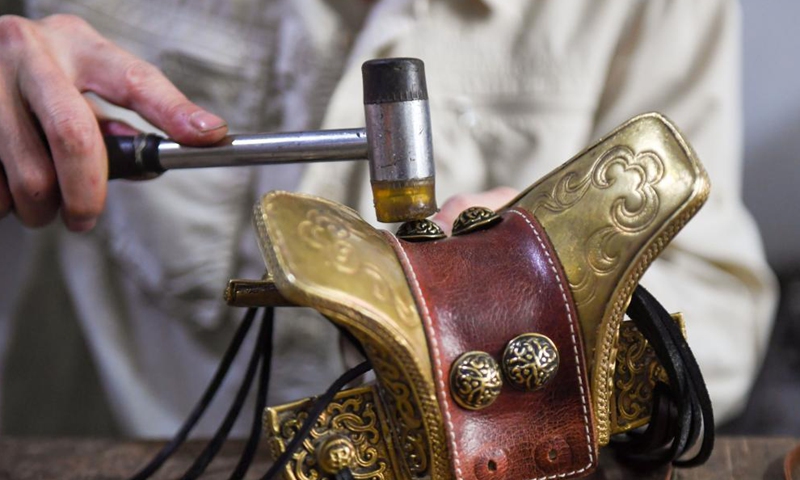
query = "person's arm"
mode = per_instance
[
  {"x": 681, "y": 58},
  {"x": 51, "y": 146}
]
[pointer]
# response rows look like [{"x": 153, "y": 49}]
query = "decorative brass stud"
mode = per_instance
[
  {"x": 335, "y": 454},
  {"x": 420, "y": 231},
  {"x": 530, "y": 361},
  {"x": 475, "y": 380},
  {"x": 473, "y": 219}
]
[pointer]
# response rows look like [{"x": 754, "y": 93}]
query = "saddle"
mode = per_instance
[{"x": 501, "y": 351}]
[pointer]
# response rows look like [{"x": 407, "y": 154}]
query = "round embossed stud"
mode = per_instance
[
  {"x": 473, "y": 219},
  {"x": 475, "y": 380},
  {"x": 420, "y": 231},
  {"x": 530, "y": 361},
  {"x": 335, "y": 454}
]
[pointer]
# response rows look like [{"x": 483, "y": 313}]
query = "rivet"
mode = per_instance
[
  {"x": 475, "y": 380},
  {"x": 420, "y": 231},
  {"x": 473, "y": 219},
  {"x": 335, "y": 454},
  {"x": 530, "y": 361}
]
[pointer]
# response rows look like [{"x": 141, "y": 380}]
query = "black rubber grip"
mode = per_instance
[
  {"x": 394, "y": 80},
  {"x": 133, "y": 157}
]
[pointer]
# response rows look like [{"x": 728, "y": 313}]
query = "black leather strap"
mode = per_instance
[
  {"x": 213, "y": 447},
  {"x": 227, "y": 359},
  {"x": 319, "y": 407},
  {"x": 262, "y": 354},
  {"x": 681, "y": 410},
  {"x": 261, "y": 397}
]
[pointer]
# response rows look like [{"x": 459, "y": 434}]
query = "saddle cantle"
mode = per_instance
[{"x": 500, "y": 352}]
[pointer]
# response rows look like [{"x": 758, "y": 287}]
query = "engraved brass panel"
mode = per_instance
[
  {"x": 323, "y": 255},
  {"x": 609, "y": 212},
  {"x": 354, "y": 416},
  {"x": 636, "y": 373}
]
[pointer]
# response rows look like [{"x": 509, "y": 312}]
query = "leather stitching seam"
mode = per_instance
[
  {"x": 437, "y": 358},
  {"x": 575, "y": 351}
]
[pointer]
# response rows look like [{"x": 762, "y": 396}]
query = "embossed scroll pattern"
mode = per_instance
[
  {"x": 631, "y": 212},
  {"x": 322, "y": 231},
  {"x": 637, "y": 372},
  {"x": 401, "y": 408},
  {"x": 358, "y": 418}
]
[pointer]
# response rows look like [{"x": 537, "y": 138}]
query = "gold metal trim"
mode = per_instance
[
  {"x": 636, "y": 373},
  {"x": 323, "y": 255},
  {"x": 356, "y": 417}
]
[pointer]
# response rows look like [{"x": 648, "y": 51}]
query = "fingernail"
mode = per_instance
[
  {"x": 81, "y": 225},
  {"x": 204, "y": 122}
]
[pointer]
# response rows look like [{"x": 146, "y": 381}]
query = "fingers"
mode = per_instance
[
  {"x": 73, "y": 136},
  {"x": 130, "y": 82},
  {"x": 29, "y": 176},
  {"x": 453, "y": 206},
  {"x": 45, "y": 67},
  {"x": 36, "y": 92}
]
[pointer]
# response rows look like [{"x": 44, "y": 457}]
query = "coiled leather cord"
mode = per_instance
[{"x": 681, "y": 410}]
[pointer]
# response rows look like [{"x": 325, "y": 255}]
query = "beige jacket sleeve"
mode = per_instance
[
  {"x": 555, "y": 76},
  {"x": 682, "y": 58}
]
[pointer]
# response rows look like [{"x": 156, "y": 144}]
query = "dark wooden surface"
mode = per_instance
[{"x": 744, "y": 458}]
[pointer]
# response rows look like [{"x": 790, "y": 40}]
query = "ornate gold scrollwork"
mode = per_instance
[
  {"x": 637, "y": 372},
  {"x": 354, "y": 421}
]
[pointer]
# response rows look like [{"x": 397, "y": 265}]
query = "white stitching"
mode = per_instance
[
  {"x": 440, "y": 371},
  {"x": 437, "y": 357},
  {"x": 575, "y": 350}
]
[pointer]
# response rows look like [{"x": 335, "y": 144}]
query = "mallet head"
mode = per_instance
[{"x": 399, "y": 138}]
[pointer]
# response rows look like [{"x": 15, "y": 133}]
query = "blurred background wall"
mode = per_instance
[
  {"x": 772, "y": 126},
  {"x": 772, "y": 193}
]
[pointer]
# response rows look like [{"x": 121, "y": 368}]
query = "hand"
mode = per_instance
[
  {"x": 453, "y": 206},
  {"x": 51, "y": 146}
]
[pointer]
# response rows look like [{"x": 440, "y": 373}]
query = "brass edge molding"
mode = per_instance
[
  {"x": 361, "y": 320},
  {"x": 605, "y": 357}
]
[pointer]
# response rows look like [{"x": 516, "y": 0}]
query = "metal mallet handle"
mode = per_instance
[
  {"x": 148, "y": 155},
  {"x": 396, "y": 141}
]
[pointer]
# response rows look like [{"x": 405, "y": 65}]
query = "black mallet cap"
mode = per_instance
[{"x": 394, "y": 80}]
